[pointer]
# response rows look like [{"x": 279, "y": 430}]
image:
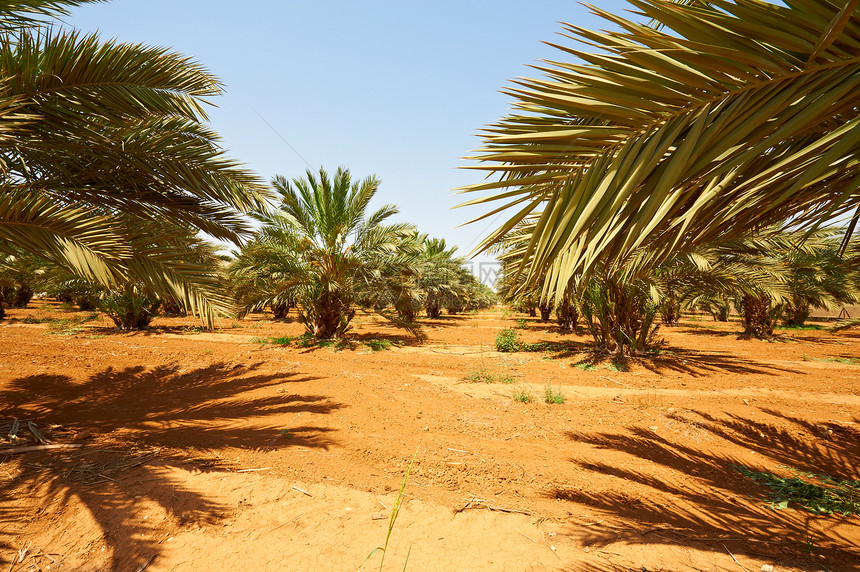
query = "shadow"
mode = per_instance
[
  {"x": 707, "y": 331},
  {"x": 394, "y": 339},
  {"x": 146, "y": 423},
  {"x": 701, "y": 364},
  {"x": 697, "y": 497}
]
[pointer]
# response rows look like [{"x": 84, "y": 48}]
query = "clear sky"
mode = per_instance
[{"x": 396, "y": 89}]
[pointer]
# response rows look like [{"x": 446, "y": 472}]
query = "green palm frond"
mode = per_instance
[
  {"x": 722, "y": 118},
  {"x": 100, "y": 140},
  {"x": 69, "y": 235},
  {"x": 15, "y": 14}
]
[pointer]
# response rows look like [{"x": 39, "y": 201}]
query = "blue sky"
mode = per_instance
[{"x": 396, "y": 89}]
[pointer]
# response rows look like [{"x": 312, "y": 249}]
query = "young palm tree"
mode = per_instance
[
  {"x": 321, "y": 247},
  {"x": 98, "y": 137}
]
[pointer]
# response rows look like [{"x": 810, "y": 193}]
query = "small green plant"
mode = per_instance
[
  {"x": 305, "y": 341},
  {"x": 803, "y": 327},
  {"x": 282, "y": 341},
  {"x": 585, "y": 366},
  {"x": 553, "y": 396},
  {"x": 507, "y": 379},
  {"x": 206, "y": 352},
  {"x": 522, "y": 324},
  {"x": 35, "y": 320},
  {"x": 286, "y": 434},
  {"x": 508, "y": 341},
  {"x": 69, "y": 326},
  {"x": 844, "y": 360},
  {"x": 395, "y": 512},
  {"x": 192, "y": 330},
  {"x": 130, "y": 308},
  {"x": 338, "y": 344},
  {"x": 380, "y": 345},
  {"x": 522, "y": 395},
  {"x": 480, "y": 375},
  {"x": 833, "y": 495}
]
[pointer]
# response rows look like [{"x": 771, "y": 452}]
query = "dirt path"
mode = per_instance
[{"x": 210, "y": 451}]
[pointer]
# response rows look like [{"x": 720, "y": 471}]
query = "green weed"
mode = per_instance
[
  {"x": 192, "y": 330},
  {"x": 508, "y": 341},
  {"x": 552, "y": 396},
  {"x": 380, "y": 345},
  {"x": 522, "y": 395},
  {"x": 803, "y": 327},
  {"x": 833, "y": 495},
  {"x": 844, "y": 360},
  {"x": 480, "y": 375},
  {"x": 395, "y": 512},
  {"x": 69, "y": 326}
]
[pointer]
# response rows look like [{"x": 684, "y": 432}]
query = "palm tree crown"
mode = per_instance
[{"x": 718, "y": 118}]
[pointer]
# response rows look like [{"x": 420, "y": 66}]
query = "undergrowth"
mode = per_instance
[
  {"x": 481, "y": 374},
  {"x": 833, "y": 495},
  {"x": 69, "y": 326}
]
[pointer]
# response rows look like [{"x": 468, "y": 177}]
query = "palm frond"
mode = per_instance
[{"x": 723, "y": 118}]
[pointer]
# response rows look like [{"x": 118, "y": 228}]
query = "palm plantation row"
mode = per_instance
[
  {"x": 684, "y": 166},
  {"x": 774, "y": 276},
  {"x": 320, "y": 252}
]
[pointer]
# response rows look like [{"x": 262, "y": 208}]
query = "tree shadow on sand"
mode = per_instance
[
  {"x": 701, "y": 364},
  {"x": 703, "y": 501},
  {"x": 147, "y": 424}
]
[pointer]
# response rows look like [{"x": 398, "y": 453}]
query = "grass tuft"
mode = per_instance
[
  {"x": 522, "y": 395},
  {"x": 480, "y": 375},
  {"x": 553, "y": 396}
]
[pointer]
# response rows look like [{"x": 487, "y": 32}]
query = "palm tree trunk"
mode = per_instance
[
  {"x": 757, "y": 320},
  {"x": 545, "y": 310}
]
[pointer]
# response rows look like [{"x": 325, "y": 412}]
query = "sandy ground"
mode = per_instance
[{"x": 214, "y": 451}]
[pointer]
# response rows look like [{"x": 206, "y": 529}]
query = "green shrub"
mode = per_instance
[
  {"x": 509, "y": 341},
  {"x": 130, "y": 309}
]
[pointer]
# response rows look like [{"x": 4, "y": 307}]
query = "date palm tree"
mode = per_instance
[
  {"x": 716, "y": 119},
  {"x": 319, "y": 248},
  {"x": 96, "y": 138}
]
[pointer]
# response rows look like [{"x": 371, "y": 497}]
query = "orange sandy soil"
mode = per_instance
[{"x": 210, "y": 451}]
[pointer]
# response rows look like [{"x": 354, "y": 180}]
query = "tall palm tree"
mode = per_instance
[
  {"x": 717, "y": 118},
  {"x": 98, "y": 137}
]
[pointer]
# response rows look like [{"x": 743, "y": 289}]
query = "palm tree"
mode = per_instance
[
  {"x": 98, "y": 137},
  {"x": 321, "y": 247},
  {"x": 714, "y": 120}
]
